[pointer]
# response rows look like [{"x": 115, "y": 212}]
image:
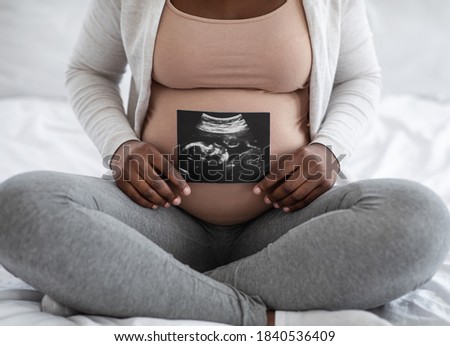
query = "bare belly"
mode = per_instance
[{"x": 226, "y": 203}]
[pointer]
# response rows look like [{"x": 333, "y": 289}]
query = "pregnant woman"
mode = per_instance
[{"x": 282, "y": 89}]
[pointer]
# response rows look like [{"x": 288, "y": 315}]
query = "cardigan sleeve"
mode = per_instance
[
  {"x": 357, "y": 84},
  {"x": 95, "y": 70}
]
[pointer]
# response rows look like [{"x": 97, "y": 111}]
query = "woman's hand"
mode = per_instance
[
  {"x": 299, "y": 179},
  {"x": 146, "y": 176}
]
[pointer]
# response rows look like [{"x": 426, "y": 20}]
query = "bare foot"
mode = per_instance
[{"x": 270, "y": 317}]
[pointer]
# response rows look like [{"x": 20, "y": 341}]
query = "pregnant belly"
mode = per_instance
[{"x": 226, "y": 203}]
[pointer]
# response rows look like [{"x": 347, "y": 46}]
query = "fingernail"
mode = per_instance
[
  {"x": 187, "y": 191},
  {"x": 176, "y": 201},
  {"x": 276, "y": 205},
  {"x": 267, "y": 200},
  {"x": 155, "y": 207},
  {"x": 167, "y": 205},
  {"x": 286, "y": 210},
  {"x": 257, "y": 190}
]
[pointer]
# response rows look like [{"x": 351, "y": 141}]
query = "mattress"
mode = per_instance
[{"x": 409, "y": 139}]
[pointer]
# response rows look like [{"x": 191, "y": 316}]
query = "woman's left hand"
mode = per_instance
[{"x": 299, "y": 179}]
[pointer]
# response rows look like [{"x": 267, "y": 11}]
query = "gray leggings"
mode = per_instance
[{"x": 87, "y": 245}]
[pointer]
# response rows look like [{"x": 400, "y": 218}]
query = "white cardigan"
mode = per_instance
[{"x": 345, "y": 77}]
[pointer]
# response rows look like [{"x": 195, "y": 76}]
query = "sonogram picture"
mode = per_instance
[{"x": 223, "y": 147}]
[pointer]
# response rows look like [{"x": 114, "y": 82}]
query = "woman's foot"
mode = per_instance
[{"x": 270, "y": 317}]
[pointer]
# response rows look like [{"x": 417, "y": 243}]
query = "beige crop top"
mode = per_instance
[
  {"x": 270, "y": 52},
  {"x": 255, "y": 71}
]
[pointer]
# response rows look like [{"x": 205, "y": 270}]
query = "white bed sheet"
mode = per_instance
[{"x": 410, "y": 139}]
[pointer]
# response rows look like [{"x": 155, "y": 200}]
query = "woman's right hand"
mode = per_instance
[{"x": 147, "y": 177}]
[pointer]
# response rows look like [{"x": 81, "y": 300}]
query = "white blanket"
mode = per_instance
[{"x": 410, "y": 139}]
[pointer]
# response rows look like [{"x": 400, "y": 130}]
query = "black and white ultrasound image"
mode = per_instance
[{"x": 223, "y": 147}]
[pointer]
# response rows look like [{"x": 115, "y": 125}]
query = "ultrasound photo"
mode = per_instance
[{"x": 223, "y": 147}]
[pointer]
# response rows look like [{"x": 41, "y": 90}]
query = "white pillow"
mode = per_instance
[
  {"x": 413, "y": 45},
  {"x": 36, "y": 39}
]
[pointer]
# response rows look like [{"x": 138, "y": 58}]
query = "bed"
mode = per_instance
[{"x": 410, "y": 137}]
